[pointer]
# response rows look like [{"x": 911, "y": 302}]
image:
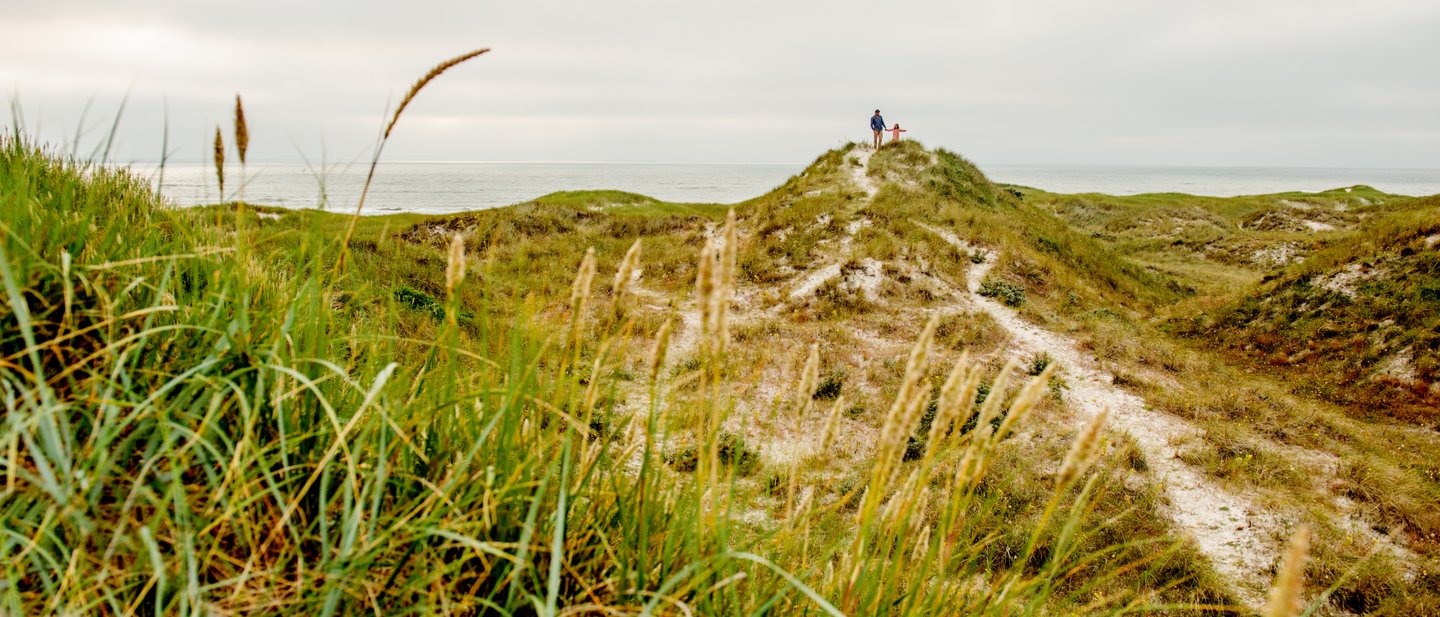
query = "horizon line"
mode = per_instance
[{"x": 801, "y": 165}]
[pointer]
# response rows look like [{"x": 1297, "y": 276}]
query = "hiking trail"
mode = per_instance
[{"x": 1231, "y": 529}]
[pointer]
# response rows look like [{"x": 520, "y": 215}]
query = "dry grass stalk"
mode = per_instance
[
  {"x": 580, "y": 293},
  {"x": 1285, "y": 600},
  {"x": 991, "y": 408},
  {"x": 592, "y": 389},
  {"x": 623, "y": 274},
  {"x": 420, "y": 85},
  {"x": 375, "y": 160},
  {"x": 901, "y": 503},
  {"x": 832, "y": 423},
  {"x": 809, "y": 377},
  {"x": 455, "y": 267},
  {"x": 1082, "y": 451},
  {"x": 972, "y": 464},
  {"x": 922, "y": 544},
  {"x": 242, "y": 131},
  {"x": 918, "y": 508},
  {"x": 662, "y": 345},
  {"x": 948, "y": 406},
  {"x": 965, "y": 471},
  {"x": 957, "y": 398},
  {"x": 1029, "y": 396},
  {"x": 898, "y": 421},
  {"x": 728, "y": 255},
  {"x": 705, "y": 288},
  {"x": 914, "y": 408},
  {"x": 726, "y": 283},
  {"x": 219, "y": 155},
  {"x": 793, "y": 488}
]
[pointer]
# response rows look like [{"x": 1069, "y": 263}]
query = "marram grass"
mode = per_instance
[
  {"x": 187, "y": 434},
  {"x": 194, "y": 429}
]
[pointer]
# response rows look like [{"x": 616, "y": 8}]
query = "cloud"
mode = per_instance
[{"x": 1285, "y": 82}]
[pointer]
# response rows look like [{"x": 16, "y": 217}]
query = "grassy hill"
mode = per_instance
[
  {"x": 1359, "y": 322},
  {"x": 802, "y": 410}
]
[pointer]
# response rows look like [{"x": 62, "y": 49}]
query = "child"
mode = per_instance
[{"x": 895, "y": 133}]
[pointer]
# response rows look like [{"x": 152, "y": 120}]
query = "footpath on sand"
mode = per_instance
[
  {"x": 1235, "y": 533},
  {"x": 1232, "y": 530}
]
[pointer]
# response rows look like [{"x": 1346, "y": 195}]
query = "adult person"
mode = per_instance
[{"x": 877, "y": 124}]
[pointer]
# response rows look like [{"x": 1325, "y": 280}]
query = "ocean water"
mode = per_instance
[
  {"x": 456, "y": 187},
  {"x": 1213, "y": 181}
]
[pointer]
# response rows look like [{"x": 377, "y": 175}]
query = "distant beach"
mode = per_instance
[{"x": 431, "y": 187}]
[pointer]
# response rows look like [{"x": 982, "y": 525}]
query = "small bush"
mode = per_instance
[
  {"x": 733, "y": 451},
  {"x": 1430, "y": 293},
  {"x": 1039, "y": 363},
  {"x": 830, "y": 385},
  {"x": 417, "y": 300},
  {"x": 1009, "y": 293},
  {"x": 915, "y": 446}
]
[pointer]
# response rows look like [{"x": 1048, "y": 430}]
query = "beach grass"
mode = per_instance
[
  {"x": 191, "y": 431},
  {"x": 249, "y": 409}
]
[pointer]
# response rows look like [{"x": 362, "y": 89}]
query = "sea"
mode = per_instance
[{"x": 443, "y": 187}]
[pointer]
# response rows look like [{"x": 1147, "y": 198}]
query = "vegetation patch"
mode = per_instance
[{"x": 1008, "y": 293}]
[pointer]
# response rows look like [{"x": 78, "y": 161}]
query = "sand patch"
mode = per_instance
[{"x": 1278, "y": 255}]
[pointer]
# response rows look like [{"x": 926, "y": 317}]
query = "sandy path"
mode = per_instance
[
  {"x": 860, "y": 175},
  {"x": 870, "y": 275},
  {"x": 1234, "y": 532}
]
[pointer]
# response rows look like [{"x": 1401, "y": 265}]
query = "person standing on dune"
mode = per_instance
[
  {"x": 877, "y": 124},
  {"x": 895, "y": 132}
]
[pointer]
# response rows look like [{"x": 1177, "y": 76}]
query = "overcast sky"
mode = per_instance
[{"x": 1213, "y": 82}]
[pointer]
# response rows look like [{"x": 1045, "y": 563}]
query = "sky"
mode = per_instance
[{"x": 1303, "y": 83}]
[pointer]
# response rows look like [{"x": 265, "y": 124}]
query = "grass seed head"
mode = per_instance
[
  {"x": 1285, "y": 600},
  {"x": 725, "y": 285},
  {"x": 242, "y": 131},
  {"x": 914, "y": 372},
  {"x": 705, "y": 284},
  {"x": 219, "y": 155},
  {"x": 901, "y": 504},
  {"x": 584, "y": 276},
  {"x": 950, "y": 399},
  {"x": 991, "y": 408},
  {"x": 1082, "y": 450},
  {"x": 455, "y": 267},
  {"x": 809, "y": 377},
  {"x": 625, "y": 272},
  {"x": 420, "y": 85},
  {"x": 832, "y": 424},
  {"x": 580, "y": 293},
  {"x": 966, "y": 468},
  {"x": 895, "y": 431},
  {"x": 714, "y": 298},
  {"x": 922, "y": 545},
  {"x": 958, "y": 405},
  {"x": 1025, "y": 402},
  {"x": 662, "y": 344},
  {"x": 914, "y": 408},
  {"x": 728, "y": 255},
  {"x": 592, "y": 388},
  {"x": 802, "y": 506}
]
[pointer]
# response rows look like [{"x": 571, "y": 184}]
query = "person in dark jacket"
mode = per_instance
[{"x": 877, "y": 124}]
